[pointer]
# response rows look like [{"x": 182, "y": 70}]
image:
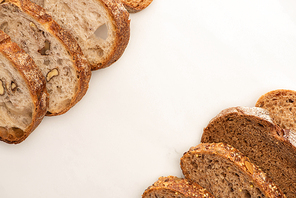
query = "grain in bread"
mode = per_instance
[
  {"x": 171, "y": 186},
  {"x": 134, "y": 6},
  {"x": 252, "y": 132},
  {"x": 225, "y": 172},
  {"x": 52, "y": 48},
  {"x": 101, "y": 27},
  {"x": 23, "y": 95},
  {"x": 281, "y": 105}
]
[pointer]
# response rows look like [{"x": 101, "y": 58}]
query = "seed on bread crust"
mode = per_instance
[{"x": 249, "y": 167}]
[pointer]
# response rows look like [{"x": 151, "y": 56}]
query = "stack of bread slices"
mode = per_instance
[
  {"x": 48, "y": 49},
  {"x": 247, "y": 152}
]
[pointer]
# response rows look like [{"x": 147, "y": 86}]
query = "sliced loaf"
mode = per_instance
[
  {"x": 23, "y": 96},
  {"x": 225, "y": 172},
  {"x": 101, "y": 27},
  {"x": 171, "y": 186},
  {"x": 52, "y": 48},
  {"x": 134, "y": 6},
  {"x": 252, "y": 132},
  {"x": 281, "y": 105}
]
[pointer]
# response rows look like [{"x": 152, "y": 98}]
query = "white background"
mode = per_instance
[{"x": 185, "y": 62}]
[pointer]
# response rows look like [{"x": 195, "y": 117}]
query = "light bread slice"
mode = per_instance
[
  {"x": 52, "y": 48},
  {"x": 227, "y": 173},
  {"x": 252, "y": 132},
  {"x": 101, "y": 27},
  {"x": 23, "y": 96},
  {"x": 171, "y": 186},
  {"x": 281, "y": 105},
  {"x": 134, "y": 6}
]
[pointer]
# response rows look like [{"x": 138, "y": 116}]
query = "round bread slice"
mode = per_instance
[
  {"x": 101, "y": 27},
  {"x": 23, "y": 95},
  {"x": 252, "y": 132},
  {"x": 281, "y": 105},
  {"x": 171, "y": 186},
  {"x": 52, "y": 48},
  {"x": 134, "y": 6},
  {"x": 225, "y": 172}
]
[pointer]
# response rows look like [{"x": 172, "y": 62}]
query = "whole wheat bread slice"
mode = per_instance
[
  {"x": 134, "y": 6},
  {"x": 225, "y": 172},
  {"x": 252, "y": 132},
  {"x": 171, "y": 186},
  {"x": 281, "y": 105},
  {"x": 23, "y": 96},
  {"x": 52, "y": 48},
  {"x": 101, "y": 27}
]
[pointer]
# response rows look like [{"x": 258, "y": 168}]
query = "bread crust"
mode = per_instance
[
  {"x": 136, "y": 5},
  {"x": 178, "y": 186},
  {"x": 34, "y": 80},
  {"x": 240, "y": 161},
  {"x": 121, "y": 26},
  {"x": 83, "y": 69}
]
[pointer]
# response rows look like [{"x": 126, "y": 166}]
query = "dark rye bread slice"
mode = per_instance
[
  {"x": 134, "y": 6},
  {"x": 225, "y": 172},
  {"x": 252, "y": 132},
  {"x": 52, "y": 48},
  {"x": 101, "y": 27},
  {"x": 174, "y": 187},
  {"x": 281, "y": 105},
  {"x": 23, "y": 96}
]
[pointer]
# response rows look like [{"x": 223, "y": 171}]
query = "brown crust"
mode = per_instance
[
  {"x": 83, "y": 69},
  {"x": 240, "y": 161},
  {"x": 178, "y": 186},
  {"x": 121, "y": 26},
  {"x": 136, "y": 5},
  {"x": 34, "y": 79}
]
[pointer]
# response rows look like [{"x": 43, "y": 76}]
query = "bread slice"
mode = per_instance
[
  {"x": 225, "y": 172},
  {"x": 52, "y": 48},
  {"x": 171, "y": 186},
  {"x": 134, "y": 6},
  {"x": 23, "y": 96},
  {"x": 101, "y": 27},
  {"x": 252, "y": 132},
  {"x": 281, "y": 105}
]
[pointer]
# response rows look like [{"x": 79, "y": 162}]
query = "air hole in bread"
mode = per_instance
[
  {"x": 102, "y": 32},
  {"x": 60, "y": 61},
  {"x": 3, "y": 27},
  {"x": 246, "y": 194},
  {"x": 19, "y": 24},
  {"x": 17, "y": 132},
  {"x": 290, "y": 101},
  {"x": 45, "y": 49},
  {"x": 3, "y": 132},
  {"x": 261, "y": 125},
  {"x": 13, "y": 86},
  {"x": 258, "y": 191},
  {"x": 59, "y": 88},
  {"x": 46, "y": 62}
]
